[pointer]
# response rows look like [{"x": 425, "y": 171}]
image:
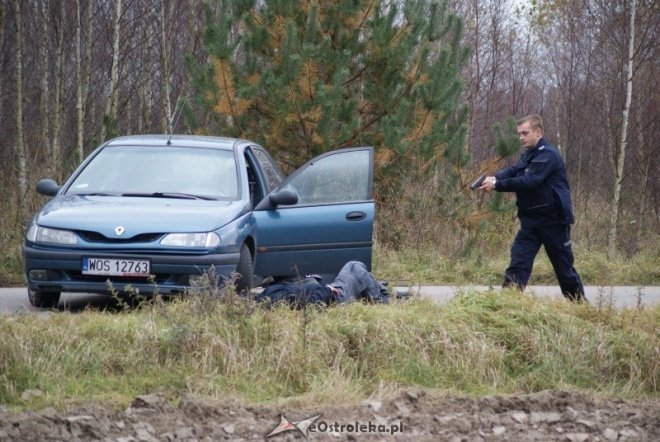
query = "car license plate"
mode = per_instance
[{"x": 115, "y": 267}]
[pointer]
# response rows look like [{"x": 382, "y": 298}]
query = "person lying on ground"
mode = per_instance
[{"x": 353, "y": 283}]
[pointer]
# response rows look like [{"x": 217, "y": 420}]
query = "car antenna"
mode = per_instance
[{"x": 173, "y": 122}]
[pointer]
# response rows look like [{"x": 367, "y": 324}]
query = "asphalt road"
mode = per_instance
[{"x": 14, "y": 300}]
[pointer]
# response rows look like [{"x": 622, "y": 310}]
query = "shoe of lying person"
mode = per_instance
[{"x": 400, "y": 294}]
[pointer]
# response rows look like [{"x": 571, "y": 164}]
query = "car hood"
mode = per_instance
[{"x": 137, "y": 215}]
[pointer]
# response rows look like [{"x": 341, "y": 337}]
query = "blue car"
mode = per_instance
[{"x": 153, "y": 213}]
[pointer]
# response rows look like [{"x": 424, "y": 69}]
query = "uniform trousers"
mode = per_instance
[{"x": 556, "y": 239}]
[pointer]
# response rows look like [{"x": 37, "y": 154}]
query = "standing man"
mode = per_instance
[{"x": 543, "y": 197}]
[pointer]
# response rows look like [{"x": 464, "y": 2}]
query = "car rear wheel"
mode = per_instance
[
  {"x": 43, "y": 299},
  {"x": 245, "y": 271}
]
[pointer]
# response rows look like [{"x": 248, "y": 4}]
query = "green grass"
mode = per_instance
[{"x": 498, "y": 342}]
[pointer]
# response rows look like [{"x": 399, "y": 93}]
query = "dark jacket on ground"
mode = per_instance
[
  {"x": 543, "y": 195},
  {"x": 354, "y": 282},
  {"x": 298, "y": 292}
]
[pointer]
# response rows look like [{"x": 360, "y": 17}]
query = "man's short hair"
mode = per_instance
[{"x": 535, "y": 121}]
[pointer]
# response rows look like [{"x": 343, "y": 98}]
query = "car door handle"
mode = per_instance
[{"x": 356, "y": 216}]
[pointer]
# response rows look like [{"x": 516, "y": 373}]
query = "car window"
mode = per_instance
[
  {"x": 135, "y": 169},
  {"x": 339, "y": 177},
  {"x": 271, "y": 172},
  {"x": 255, "y": 185}
]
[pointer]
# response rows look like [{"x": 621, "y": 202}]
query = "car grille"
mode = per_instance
[
  {"x": 97, "y": 237},
  {"x": 157, "y": 279}
]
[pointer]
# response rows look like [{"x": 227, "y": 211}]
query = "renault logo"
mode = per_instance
[{"x": 119, "y": 230}]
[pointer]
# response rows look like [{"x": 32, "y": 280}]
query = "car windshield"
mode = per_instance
[{"x": 165, "y": 172}]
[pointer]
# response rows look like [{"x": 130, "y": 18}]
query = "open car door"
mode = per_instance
[{"x": 319, "y": 218}]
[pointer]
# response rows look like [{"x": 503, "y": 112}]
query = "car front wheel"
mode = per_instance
[
  {"x": 245, "y": 271},
  {"x": 43, "y": 299}
]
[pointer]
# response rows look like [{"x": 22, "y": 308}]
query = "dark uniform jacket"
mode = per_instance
[{"x": 543, "y": 195}]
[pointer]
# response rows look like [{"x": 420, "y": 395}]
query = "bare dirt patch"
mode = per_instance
[{"x": 415, "y": 415}]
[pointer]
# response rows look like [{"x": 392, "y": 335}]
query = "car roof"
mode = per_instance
[{"x": 224, "y": 143}]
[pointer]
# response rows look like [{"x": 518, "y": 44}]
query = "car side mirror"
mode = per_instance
[
  {"x": 284, "y": 197},
  {"x": 47, "y": 187}
]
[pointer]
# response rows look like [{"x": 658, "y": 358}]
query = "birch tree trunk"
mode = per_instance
[
  {"x": 45, "y": 91},
  {"x": 79, "y": 90},
  {"x": 165, "y": 18},
  {"x": 146, "y": 93},
  {"x": 87, "y": 69},
  {"x": 19, "y": 145},
  {"x": 110, "y": 116},
  {"x": 612, "y": 236},
  {"x": 59, "y": 81}
]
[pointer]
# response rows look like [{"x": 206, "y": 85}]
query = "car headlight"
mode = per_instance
[
  {"x": 210, "y": 239},
  {"x": 47, "y": 235}
]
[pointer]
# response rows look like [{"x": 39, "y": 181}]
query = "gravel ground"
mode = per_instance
[{"x": 413, "y": 415}]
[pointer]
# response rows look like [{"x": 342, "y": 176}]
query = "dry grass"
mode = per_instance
[
  {"x": 432, "y": 266},
  {"x": 479, "y": 343}
]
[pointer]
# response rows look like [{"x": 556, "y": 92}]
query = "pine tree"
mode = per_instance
[
  {"x": 489, "y": 209},
  {"x": 304, "y": 77},
  {"x": 507, "y": 146}
]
